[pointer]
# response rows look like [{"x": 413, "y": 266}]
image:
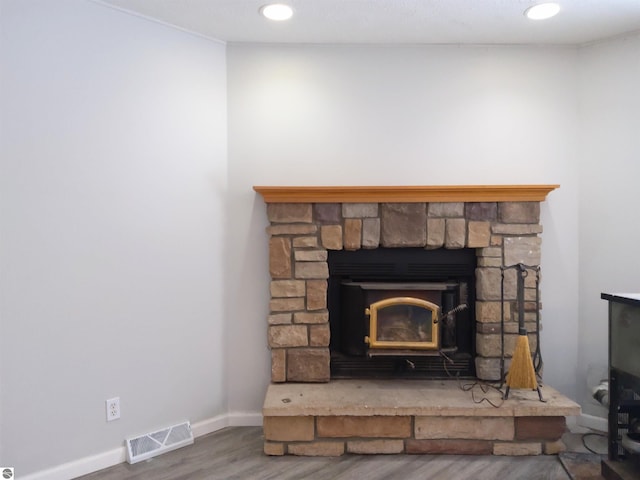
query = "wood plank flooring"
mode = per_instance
[{"x": 236, "y": 454}]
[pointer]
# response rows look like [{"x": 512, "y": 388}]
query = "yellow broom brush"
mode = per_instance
[{"x": 521, "y": 372}]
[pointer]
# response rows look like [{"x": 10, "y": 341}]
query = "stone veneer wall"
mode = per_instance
[{"x": 503, "y": 234}]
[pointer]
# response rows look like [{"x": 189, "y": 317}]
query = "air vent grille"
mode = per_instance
[{"x": 155, "y": 443}]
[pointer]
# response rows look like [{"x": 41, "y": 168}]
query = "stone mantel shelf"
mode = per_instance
[{"x": 404, "y": 194}]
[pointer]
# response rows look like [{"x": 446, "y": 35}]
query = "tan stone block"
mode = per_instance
[
  {"x": 486, "y": 211},
  {"x": 449, "y": 447},
  {"x": 403, "y": 224},
  {"x": 292, "y": 229},
  {"x": 288, "y": 429},
  {"x": 352, "y": 234},
  {"x": 287, "y": 288},
  {"x": 488, "y": 369},
  {"x": 488, "y": 328},
  {"x": 331, "y": 237},
  {"x": 308, "y": 364},
  {"x": 319, "y": 335},
  {"x": 530, "y": 280},
  {"x": 455, "y": 233},
  {"x": 446, "y": 209},
  {"x": 359, "y": 210},
  {"x": 511, "y": 285},
  {"x": 280, "y": 318},
  {"x": 554, "y": 448},
  {"x": 370, "y": 233},
  {"x": 287, "y": 336},
  {"x": 278, "y": 365},
  {"x": 310, "y": 255},
  {"x": 317, "y": 449},
  {"x": 489, "y": 312},
  {"x": 512, "y": 326},
  {"x": 516, "y": 229},
  {"x": 327, "y": 213},
  {"x": 375, "y": 447},
  {"x": 519, "y": 212},
  {"x": 286, "y": 304},
  {"x": 489, "y": 345},
  {"x": 316, "y": 294},
  {"x": 540, "y": 428},
  {"x": 488, "y": 284},
  {"x": 479, "y": 234},
  {"x": 517, "y": 448},
  {"x": 312, "y": 270},
  {"x": 525, "y": 250},
  {"x": 489, "y": 252},
  {"x": 469, "y": 428},
  {"x": 532, "y": 306},
  {"x": 308, "y": 317},
  {"x": 289, "y": 212},
  {"x": 496, "y": 241},
  {"x": 435, "y": 232},
  {"x": 530, "y": 294},
  {"x": 489, "y": 262},
  {"x": 305, "y": 242},
  {"x": 273, "y": 449},
  {"x": 376, "y": 427},
  {"x": 280, "y": 257}
]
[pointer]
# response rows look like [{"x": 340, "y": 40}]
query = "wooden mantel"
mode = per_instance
[{"x": 406, "y": 194}]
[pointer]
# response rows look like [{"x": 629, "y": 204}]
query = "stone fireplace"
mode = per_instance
[{"x": 498, "y": 226}]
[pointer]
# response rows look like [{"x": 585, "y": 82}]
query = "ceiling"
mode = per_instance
[{"x": 395, "y": 21}]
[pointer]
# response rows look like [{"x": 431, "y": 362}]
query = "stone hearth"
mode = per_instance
[
  {"x": 409, "y": 416},
  {"x": 500, "y": 222}
]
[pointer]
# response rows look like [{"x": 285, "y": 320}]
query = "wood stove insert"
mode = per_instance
[{"x": 387, "y": 313}]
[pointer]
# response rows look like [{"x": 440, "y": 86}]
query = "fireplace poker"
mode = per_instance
[
  {"x": 453, "y": 311},
  {"x": 448, "y": 314}
]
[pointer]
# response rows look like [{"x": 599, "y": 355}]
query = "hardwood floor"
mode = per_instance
[{"x": 236, "y": 454}]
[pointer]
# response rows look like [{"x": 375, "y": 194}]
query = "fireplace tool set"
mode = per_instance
[{"x": 524, "y": 369}]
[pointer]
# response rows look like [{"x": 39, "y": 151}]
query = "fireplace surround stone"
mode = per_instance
[
  {"x": 503, "y": 233},
  {"x": 502, "y": 224}
]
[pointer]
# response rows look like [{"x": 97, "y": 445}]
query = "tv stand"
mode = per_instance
[{"x": 623, "y": 461}]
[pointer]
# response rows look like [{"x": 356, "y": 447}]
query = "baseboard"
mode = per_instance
[
  {"x": 86, "y": 465},
  {"x": 245, "y": 419},
  {"x": 594, "y": 423},
  {"x": 80, "y": 467},
  {"x": 210, "y": 425}
]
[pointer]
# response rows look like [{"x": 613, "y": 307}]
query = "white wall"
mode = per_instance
[
  {"x": 112, "y": 206},
  {"x": 609, "y": 194},
  {"x": 313, "y": 115}
]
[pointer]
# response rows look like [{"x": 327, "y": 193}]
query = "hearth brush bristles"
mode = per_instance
[{"x": 521, "y": 373}]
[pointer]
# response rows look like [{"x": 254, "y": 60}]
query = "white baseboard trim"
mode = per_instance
[
  {"x": 93, "y": 463},
  {"x": 594, "y": 423},
  {"x": 80, "y": 467},
  {"x": 210, "y": 425},
  {"x": 245, "y": 419}
]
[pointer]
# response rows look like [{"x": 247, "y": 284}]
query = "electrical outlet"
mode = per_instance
[{"x": 113, "y": 408}]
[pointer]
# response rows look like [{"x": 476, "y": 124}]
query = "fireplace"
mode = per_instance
[
  {"x": 433, "y": 232},
  {"x": 402, "y": 313},
  {"x": 375, "y": 287}
]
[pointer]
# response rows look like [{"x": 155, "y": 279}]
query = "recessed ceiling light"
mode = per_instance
[
  {"x": 542, "y": 11},
  {"x": 277, "y": 11}
]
